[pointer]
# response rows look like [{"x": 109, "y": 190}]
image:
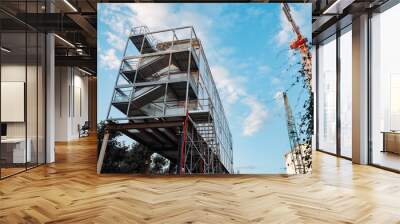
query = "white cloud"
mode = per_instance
[
  {"x": 229, "y": 88},
  {"x": 278, "y": 95},
  {"x": 278, "y": 102},
  {"x": 115, "y": 41},
  {"x": 152, "y": 15},
  {"x": 263, "y": 68},
  {"x": 255, "y": 120},
  {"x": 255, "y": 12},
  {"x": 120, "y": 18},
  {"x": 232, "y": 90},
  {"x": 163, "y": 16},
  {"x": 283, "y": 35},
  {"x": 110, "y": 60},
  {"x": 275, "y": 80},
  {"x": 247, "y": 167},
  {"x": 292, "y": 56},
  {"x": 116, "y": 19}
]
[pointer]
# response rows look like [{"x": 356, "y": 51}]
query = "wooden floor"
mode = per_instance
[
  {"x": 386, "y": 159},
  {"x": 70, "y": 191},
  {"x": 10, "y": 171}
]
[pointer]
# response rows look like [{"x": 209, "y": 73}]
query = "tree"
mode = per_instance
[
  {"x": 159, "y": 164},
  {"x": 133, "y": 158}
]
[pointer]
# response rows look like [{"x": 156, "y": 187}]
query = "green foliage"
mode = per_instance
[{"x": 306, "y": 119}]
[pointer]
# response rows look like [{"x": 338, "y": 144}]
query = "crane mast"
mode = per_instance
[
  {"x": 301, "y": 45},
  {"x": 286, "y": 10},
  {"x": 296, "y": 153}
]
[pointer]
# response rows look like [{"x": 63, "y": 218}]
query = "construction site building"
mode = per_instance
[{"x": 166, "y": 99}]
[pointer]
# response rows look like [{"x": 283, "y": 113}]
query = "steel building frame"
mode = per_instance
[{"x": 165, "y": 98}]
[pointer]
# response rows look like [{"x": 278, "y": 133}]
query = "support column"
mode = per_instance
[
  {"x": 50, "y": 92},
  {"x": 360, "y": 90},
  {"x": 179, "y": 152},
  {"x": 92, "y": 101},
  {"x": 50, "y": 99},
  {"x": 314, "y": 91},
  {"x": 102, "y": 153}
]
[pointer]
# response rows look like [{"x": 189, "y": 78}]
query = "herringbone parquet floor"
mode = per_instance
[{"x": 70, "y": 191}]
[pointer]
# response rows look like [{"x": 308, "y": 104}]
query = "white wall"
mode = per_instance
[
  {"x": 17, "y": 73},
  {"x": 10, "y": 73},
  {"x": 14, "y": 73},
  {"x": 61, "y": 103},
  {"x": 13, "y": 100},
  {"x": 71, "y": 102},
  {"x": 33, "y": 126}
]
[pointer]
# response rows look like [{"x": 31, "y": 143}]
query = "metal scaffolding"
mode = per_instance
[{"x": 165, "y": 98}]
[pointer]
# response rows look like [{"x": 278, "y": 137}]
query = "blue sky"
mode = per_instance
[{"x": 247, "y": 47}]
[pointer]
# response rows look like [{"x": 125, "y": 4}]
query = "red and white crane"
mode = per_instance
[
  {"x": 300, "y": 44},
  {"x": 298, "y": 160}
]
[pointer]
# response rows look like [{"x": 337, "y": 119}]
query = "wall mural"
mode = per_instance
[{"x": 204, "y": 88}]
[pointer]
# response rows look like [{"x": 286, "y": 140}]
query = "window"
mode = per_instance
[
  {"x": 327, "y": 95},
  {"x": 22, "y": 87},
  {"x": 385, "y": 89},
  {"x": 345, "y": 92}
]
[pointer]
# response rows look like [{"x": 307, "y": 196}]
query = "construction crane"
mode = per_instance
[
  {"x": 296, "y": 152},
  {"x": 301, "y": 45}
]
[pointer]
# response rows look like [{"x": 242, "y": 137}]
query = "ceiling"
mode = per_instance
[
  {"x": 74, "y": 22},
  {"x": 330, "y": 15}
]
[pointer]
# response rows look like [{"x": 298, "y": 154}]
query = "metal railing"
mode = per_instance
[{"x": 144, "y": 30}]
